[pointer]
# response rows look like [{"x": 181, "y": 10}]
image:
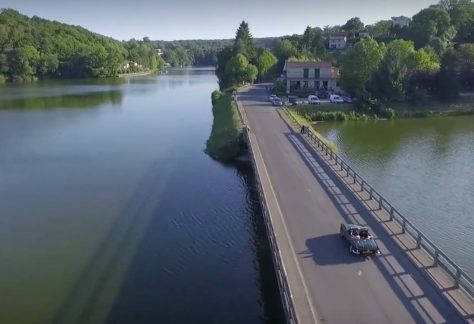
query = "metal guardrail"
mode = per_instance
[
  {"x": 282, "y": 279},
  {"x": 460, "y": 277}
]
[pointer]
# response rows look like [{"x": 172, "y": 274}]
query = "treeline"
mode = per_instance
[
  {"x": 432, "y": 57},
  {"x": 35, "y": 48},
  {"x": 200, "y": 52}
]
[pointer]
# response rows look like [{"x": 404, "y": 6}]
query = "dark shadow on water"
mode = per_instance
[
  {"x": 272, "y": 305},
  {"x": 159, "y": 287}
]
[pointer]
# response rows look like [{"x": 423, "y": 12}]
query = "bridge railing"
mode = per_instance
[
  {"x": 459, "y": 276},
  {"x": 280, "y": 270}
]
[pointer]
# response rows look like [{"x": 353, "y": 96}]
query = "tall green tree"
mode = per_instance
[
  {"x": 353, "y": 25},
  {"x": 360, "y": 63},
  {"x": 264, "y": 62},
  {"x": 429, "y": 23},
  {"x": 240, "y": 70},
  {"x": 285, "y": 49},
  {"x": 380, "y": 29},
  {"x": 244, "y": 43},
  {"x": 400, "y": 62}
]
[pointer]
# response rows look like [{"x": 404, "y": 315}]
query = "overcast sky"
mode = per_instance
[{"x": 210, "y": 19}]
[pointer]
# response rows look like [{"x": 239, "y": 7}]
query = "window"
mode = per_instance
[
  {"x": 306, "y": 73},
  {"x": 317, "y": 73}
]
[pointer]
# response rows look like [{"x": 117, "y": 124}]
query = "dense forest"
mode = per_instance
[
  {"x": 201, "y": 52},
  {"x": 35, "y": 48}
]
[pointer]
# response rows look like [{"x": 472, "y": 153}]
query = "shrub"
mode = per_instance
[
  {"x": 388, "y": 113},
  {"x": 216, "y": 95}
]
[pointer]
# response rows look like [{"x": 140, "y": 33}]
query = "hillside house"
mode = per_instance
[{"x": 337, "y": 41}]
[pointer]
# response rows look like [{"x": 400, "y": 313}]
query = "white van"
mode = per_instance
[
  {"x": 314, "y": 100},
  {"x": 336, "y": 99}
]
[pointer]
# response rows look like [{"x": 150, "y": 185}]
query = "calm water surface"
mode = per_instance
[
  {"x": 422, "y": 166},
  {"x": 111, "y": 212}
]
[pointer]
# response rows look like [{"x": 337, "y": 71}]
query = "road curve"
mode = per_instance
[{"x": 342, "y": 288}]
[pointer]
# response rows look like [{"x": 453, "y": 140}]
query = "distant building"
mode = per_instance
[
  {"x": 401, "y": 21},
  {"x": 338, "y": 41},
  {"x": 310, "y": 76},
  {"x": 364, "y": 34},
  {"x": 159, "y": 51}
]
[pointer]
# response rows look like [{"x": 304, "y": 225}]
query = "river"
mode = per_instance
[
  {"x": 112, "y": 213},
  {"x": 424, "y": 168}
]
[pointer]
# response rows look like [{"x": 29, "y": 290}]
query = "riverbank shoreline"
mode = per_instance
[
  {"x": 225, "y": 142},
  {"x": 332, "y": 112},
  {"x": 132, "y": 74}
]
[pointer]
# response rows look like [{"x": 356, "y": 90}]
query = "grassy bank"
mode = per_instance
[
  {"x": 459, "y": 107},
  {"x": 302, "y": 120},
  {"x": 225, "y": 142}
]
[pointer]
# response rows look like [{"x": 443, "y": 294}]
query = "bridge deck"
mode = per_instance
[{"x": 312, "y": 203}]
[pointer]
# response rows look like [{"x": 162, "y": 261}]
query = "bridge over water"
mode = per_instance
[{"x": 306, "y": 192}]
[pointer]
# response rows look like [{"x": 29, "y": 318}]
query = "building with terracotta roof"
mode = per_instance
[{"x": 310, "y": 76}]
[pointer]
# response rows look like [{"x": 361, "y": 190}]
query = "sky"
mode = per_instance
[{"x": 210, "y": 19}]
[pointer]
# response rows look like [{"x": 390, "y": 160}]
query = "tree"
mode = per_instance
[
  {"x": 401, "y": 61},
  {"x": 461, "y": 12},
  {"x": 465, "y": 60},
  {"x": 353, "y": 25},
  {"x": 389, "y": 82},
  {"x": 223, "y": 57},
  {"x": 380, "y": 29},
  {"x": 360, "y": 63},
  {"x": 285, "y": 49},
  {"x": 428, "y": 23},
  {"x": 265, "y": 61},
  {"x": 22, "y": 63},
  {"x": 240, "y": 70},
  {"x": 243, "y": 41}
]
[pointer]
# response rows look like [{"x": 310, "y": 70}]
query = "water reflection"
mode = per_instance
[
  {"x": 82, "y": 100},
  {"x": 123, "y": 211}
]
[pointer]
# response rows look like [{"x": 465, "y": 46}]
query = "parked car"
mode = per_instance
[
  {"x": 359, "y": 239},
  {"x": 314, "y": 100},
  {"x": 277, "y": 102},
  {"x": 293, "y": 100},
  {"x": 272, "y": 97},
  {"x": 336, "y": 99},
  {"x": 347, "y": 99}
]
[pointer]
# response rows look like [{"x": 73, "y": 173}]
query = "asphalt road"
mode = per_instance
[{"x": 343, "y": 288}]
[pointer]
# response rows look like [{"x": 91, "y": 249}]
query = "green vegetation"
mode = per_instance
[
  {"x": 303, "y": 121},
  {"x": 35, "y": 48},
  {"x": 243, "y": 62},
  {"x": 200, "y": 52},
  {"x": 225, "y": 142}
]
